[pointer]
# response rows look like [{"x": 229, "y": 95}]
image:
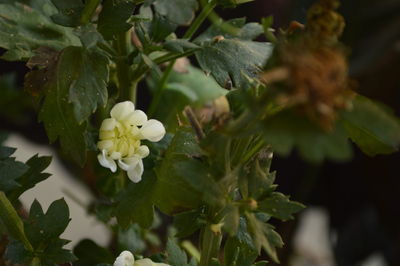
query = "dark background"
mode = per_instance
[{"x": 361, "y": 196}]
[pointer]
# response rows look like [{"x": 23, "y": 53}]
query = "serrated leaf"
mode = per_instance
[
  {"x": 23, "y": 29},
  {"x": 113, "y": 17},
  {"x": 33, "y": 176},
  {"x": 176, "y": 256},
  {"x": 286, "y": 131},
  {"x": 10, "y": 170},
  {"x": 245, "y": 31},
  {"x": 135, "y": 204},
  {"x": 43, "y": 231},
  {"x": 264, "y": 236},
  {"x": 372, "y": 128},
  {"x": 279, "y": 206},
  {"x": 180, "y": 12},
  {"x": 233, "y": 60}
]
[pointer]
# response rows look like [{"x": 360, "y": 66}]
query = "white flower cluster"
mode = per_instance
[
  {"x": 126, "y": 259},
  {"x": 120, "y": 139}
]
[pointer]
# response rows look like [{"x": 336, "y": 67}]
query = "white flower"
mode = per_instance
[
  {"x": 120, "y": 139},
  {"x": 126, "y": 259}
]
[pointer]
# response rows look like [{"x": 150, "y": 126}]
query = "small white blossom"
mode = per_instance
[
  {"x": 120, "y": 139},
  {"x": 126, "y": 259}
]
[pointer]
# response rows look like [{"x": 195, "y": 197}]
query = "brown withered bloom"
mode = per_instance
[{"x": 313, "y": 65}]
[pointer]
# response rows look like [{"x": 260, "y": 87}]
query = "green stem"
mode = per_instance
[
  {"x": 160, "y": 88},
  {"x": 35, "y": 262},
  {"x": 188, "y": 34},
  {"x": 210, "y": 245},
  {"x": 207, "y": 9},
  {"x": 89, "y": 9},
  {"x": 127, "y": 86}
]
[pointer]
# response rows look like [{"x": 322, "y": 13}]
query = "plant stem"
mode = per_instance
[
  {"x": 127, "y": 86},
  {"x": 207, "y": 9},
  {"x": 210, "y": 245},
  {"x": 188, "y": 34},
  {"x": 89, "y": 9},
  {"x": 160, "y": 88}
]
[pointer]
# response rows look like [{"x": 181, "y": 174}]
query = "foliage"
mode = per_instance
[{"x": 239, "y": 101}]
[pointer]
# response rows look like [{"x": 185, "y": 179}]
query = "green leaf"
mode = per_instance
[
  {"x": 135, "y": 204},
  {"x": 89, "y": 253},
  {"x": 233, "y": 61},
  {"x": 12, "y": 223},
  {"x": 88, "y": 87},
  {"x": 187, "y": 223},
  {"x": 279, "y": 206},
  {"x": 371, "y": 127},
  {"x": 180, "y": 12},
  {"x": 192, "y": 87},
  {"x": 23, "y": 29},
  {"x": 183, "y": 147},
  {"x": 43, "y": 231},
  {"x": 263, "y": 236},
  {"x": 33, "y": 176},
  {"x": 288, "y": 130},
  {"x": 69, "y": 12},
  {"x": 57, "y": 113},
  {"x": 176, "y": 256},
  {"x": 179, "y": 45},
  {"x": 113, "y": 17},
  {"x": 10, "y": 170},
  {"x": 245, "y": 31}
]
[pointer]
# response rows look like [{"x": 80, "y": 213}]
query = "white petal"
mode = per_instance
[
  {"x": 144, "y": 262},
  {"x": 115, "y": 155},
  {"x": 135, "y": 173},
  {"x": 121, "y": 110},
  {"x": 128, "y": 163},
  {"x": 108, "y": 124},
  {"x": 152, "y": 130},
  {"x": 136, "y": 118},
  {"x": 107, "y": 162},
  {"x": 105, "y": 144},
  {"x": 142, "y": 151},
  {"x": 125, "y": 259},
  {"x": 148, "y": 262}
]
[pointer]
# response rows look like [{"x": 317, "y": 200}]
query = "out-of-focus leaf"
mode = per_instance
[
  {"x": 176, "y": 256},
  {"x": 23, "y": 29},
  {"x": 187, "y": 223},
  {"x": 11, "y": 222},
  {"x": 89, "y": 253},
  {"x": 113, "y": 17},
  {"x": 10, "y": 170},
  {"x": 371, "y": 127},
  {"x": 69, "y": 12},
  {"x": 287, "y": 130},
  {"x": 135, "y": 205},
  {"x": 180, "y": 12}
]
